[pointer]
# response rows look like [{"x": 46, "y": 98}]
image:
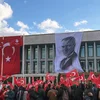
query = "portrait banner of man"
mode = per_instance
[{"x": 67, "y": 52}]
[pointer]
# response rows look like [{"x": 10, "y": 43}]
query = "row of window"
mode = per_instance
[
  {"x": 90, "y": 49},
  {"x": 49, "y": 68},
  {"x": 43, "y": 68},
  {"x": 42, "y": 52},
  {"x": 50, "y": 52},
  {"x": 90, "y": 65}
]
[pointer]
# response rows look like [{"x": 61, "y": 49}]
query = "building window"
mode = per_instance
[
  {"x": 82, "y": 51},
  {"x": 90, "y": 65},
  {"x": 98, "y": 49},
  {"x": 90, "y": 50},
  {"x": 35, "y": 54},
  {"x": 35, "y": 67},
  {"x": 83, "y": 65},
  {"x": 50, "y": 66},
  {"x": 42, "y": 52},
  {"x": 42, "y": 68},
  {"x": 27, "y": 67},
  {"x": 98, "y": 65},
  {"x": 50, "y": 52},
  {"x": 28, "y": 53}
]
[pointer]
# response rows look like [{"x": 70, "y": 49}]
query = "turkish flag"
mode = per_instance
[
  {"x": 72, "y": 73},
  {"x": 91, "y": 76},
  {"x": 10, "y": 54},
  {"x": 33, "y": 80},
  {"x": 68, "y": 82},
  {"x": 15, "y": 80},
  {"x": 22, "y": 81},
  {"x": 52, "y": 78},
  {"x": 47, "y": 76},
  {"x": 82, "y": 77}
]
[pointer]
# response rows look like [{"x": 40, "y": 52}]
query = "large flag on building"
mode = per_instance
[
  {"x": 67, "y": 52},
  {"x": 10, "y": 54}
]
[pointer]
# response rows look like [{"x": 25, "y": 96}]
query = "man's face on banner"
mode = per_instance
[{"x": 68, "y": 46}]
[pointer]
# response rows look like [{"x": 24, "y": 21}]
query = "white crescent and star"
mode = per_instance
[
  {"x": 92, "y": 76},
  {"x": 8, "y": 59},
  {"x": 73, "y": 74},
  {"x": 22, "y": 81},
  {"x": 13, "y": 50},
  {"x": 7, "y": 44},
  {"x": 81, "y": 78}
]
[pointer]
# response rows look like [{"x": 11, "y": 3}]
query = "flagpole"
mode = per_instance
[
  {"x": 23, "y": 62},
  {"x": 2, "y": 60},
  {"x": 2, "y": 64}
]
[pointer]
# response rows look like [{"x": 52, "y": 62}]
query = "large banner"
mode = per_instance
[
  {"x": 10, "y": 54},
  {"x": 67, "y": 52}
]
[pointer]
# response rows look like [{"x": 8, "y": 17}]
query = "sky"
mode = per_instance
[{"x": 27, "y": 17}]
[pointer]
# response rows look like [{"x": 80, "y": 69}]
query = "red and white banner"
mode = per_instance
[
  {"x": 72, "y": 73},
  {"x": 10, "y": 54}
]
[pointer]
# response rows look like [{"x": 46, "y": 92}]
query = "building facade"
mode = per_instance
[{"x": 39, "y": 53}]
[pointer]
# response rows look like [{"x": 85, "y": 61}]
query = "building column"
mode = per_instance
[
  {"x": 31, "y": 54},
  {"x": 53, "y": 69},
  {"x": 24, "y": 60},
  {"x": 46, "y": 57},
  {"x": 38, "y": 59},
  {"x": 29, "y": 79},
  {"x": 95, "y": 68},
  {"x": 86, "y": 54}
]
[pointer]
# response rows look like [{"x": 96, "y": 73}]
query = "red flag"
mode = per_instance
[
  {"x": 68, "y": 82},
  {"x": 1, "y": 78},
  {"x": 32, "y": 80},
  {"x": 6, "y": 77},
  {"x": 82, "y": 77},
  {"x": 91, "y": 76},
  {"x": 22, "y": 81},
  {"x": 47, "y": 76},
  {"x": 10, "y": 84},
  {"x": 10, "y": 54},
  {"x": 97, "y": 81},
  {"x": 52, "y": 78},
  {"x": 15, "y": 81},
  {"x": 72, "y": 73},
  {"x": 29, "y": 86}
]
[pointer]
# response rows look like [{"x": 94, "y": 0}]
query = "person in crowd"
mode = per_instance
[
  {"x": 25, "y": 94},
  {"x": 73, "y": 89},
  {"x": 15, "y": 89},
  {"x": 1, "y": 93},
  {"x": 52, "y": 94},
  {"x": 47, "y": 89},
  {"x": 41, "y": 93},
  {"x": 20, "y": 93},
  {"x": 9, "y": 95},
  {"x": 78, "y": 93},
  {"x": 94, "y": 89},
  {"x": 66, "y": 94},
  {"x": 98, "y": 94},
  {"x": 88, "y": 93},
  {"x": 60, "y": 93},
  {"x": 33, "y": 94}
]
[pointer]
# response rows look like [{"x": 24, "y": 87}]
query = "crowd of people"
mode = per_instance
[{"x": 50, "y": 91}]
